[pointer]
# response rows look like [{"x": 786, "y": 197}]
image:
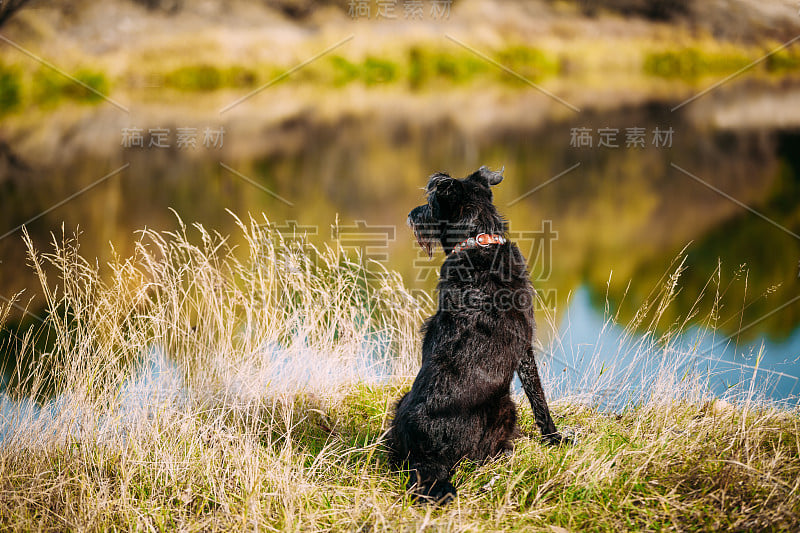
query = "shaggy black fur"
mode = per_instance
[{"x": 460, "y": 404}]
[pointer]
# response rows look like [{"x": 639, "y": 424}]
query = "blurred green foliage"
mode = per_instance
[
  {"x": 785, "y": 60},
  {"x": 209, "y": 77},
  {"x": 199, "y": 77},
  {"x": 378, "y": 70},
  {"x": 344, "y": 70},
  {"x": 9, "y": 89},
  {"x": 692, "y": 62},
  {"x": 46, "y": 87},
  {"x": 416, "y": 68},
  {"x": 95, "y": 80},
  {"x": 426, "y": 65},
  {"x": 651, "y": 9},
  {"x": 421, "y": 67},
  {"x": 49, "y": 87},
  {"x": 529, "y": 62}
]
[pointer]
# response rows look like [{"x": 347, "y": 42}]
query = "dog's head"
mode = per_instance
[{"x": 456, "y": 209}]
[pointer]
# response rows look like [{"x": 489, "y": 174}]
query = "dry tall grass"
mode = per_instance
[{"x": 195, "y": 390}]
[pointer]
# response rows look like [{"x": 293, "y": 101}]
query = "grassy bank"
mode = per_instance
[
  {"x": 185, "y": 388},
  {"x": 406, "y": 68},
  {"x": 313, "y": 465}
]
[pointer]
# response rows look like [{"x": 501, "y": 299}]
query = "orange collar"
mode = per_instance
[{"x": 482, "y": 239}]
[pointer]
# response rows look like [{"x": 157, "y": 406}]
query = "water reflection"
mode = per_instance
[
  {"x": 625, "y": 209},
  {"x": 605, "y": 364},
  {"x": 154, "y": 386}
]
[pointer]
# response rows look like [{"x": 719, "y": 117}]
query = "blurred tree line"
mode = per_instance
[
  {"x": 651, "y": 9},
  {"x": 291, "y": 8},
  {"x": 746, "y": 20}
]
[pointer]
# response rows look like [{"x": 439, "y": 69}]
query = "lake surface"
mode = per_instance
[
  {"x": 607, "y": 365},
  {"x": 600, "y": 224}
]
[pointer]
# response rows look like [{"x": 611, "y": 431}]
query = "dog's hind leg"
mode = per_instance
[
  {"x": 498, "y": 438},
  {"x": 532, "y": 385}
]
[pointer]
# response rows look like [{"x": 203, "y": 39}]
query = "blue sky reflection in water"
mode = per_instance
[
  {"x": 602, "y": 363},
  {"x": 154, "y": 386}
]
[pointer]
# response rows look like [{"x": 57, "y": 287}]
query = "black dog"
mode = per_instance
[{"x": 460, "y": 404}]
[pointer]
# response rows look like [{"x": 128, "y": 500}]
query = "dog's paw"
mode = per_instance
[
  {"x": 557, "y": 439},
  {"x": 439, "y": 493},
  {"x": 553, "y": 439},
  {"x": 567, "y": 435}
]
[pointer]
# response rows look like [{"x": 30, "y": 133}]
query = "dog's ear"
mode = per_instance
[
  {"x": 487, "y": 177},
  {"x": 435, "y": 180}
]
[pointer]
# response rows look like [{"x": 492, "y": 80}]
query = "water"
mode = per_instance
[
  {"x": 154, "y": 385},
  {"x": 599, "y": 225},
  {"x": 602, "y": 363}
]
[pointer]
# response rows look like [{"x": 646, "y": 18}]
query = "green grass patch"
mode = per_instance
[
  {"x": 459, "y": 66},
  {"x": 416, "y": 67},
  {"x": 48, "y": 87},
  {"x": 421, "y": 67},
  {"x": 210, "y": 77},
  {"x": 378, "y": 70},
  {"x": 93, "y": 85},
  {"x": 437, "y": 66},
  {"x": 530, "y": 63},
  {"x": 785, "y": 60},
  {"x": 339, "y": 71},
  {"x": 693, "y": 62},
  {"x": 313, "y": 464},
  {"x": 344, "y": 71},
  {"x": 10, "y": 89}
]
